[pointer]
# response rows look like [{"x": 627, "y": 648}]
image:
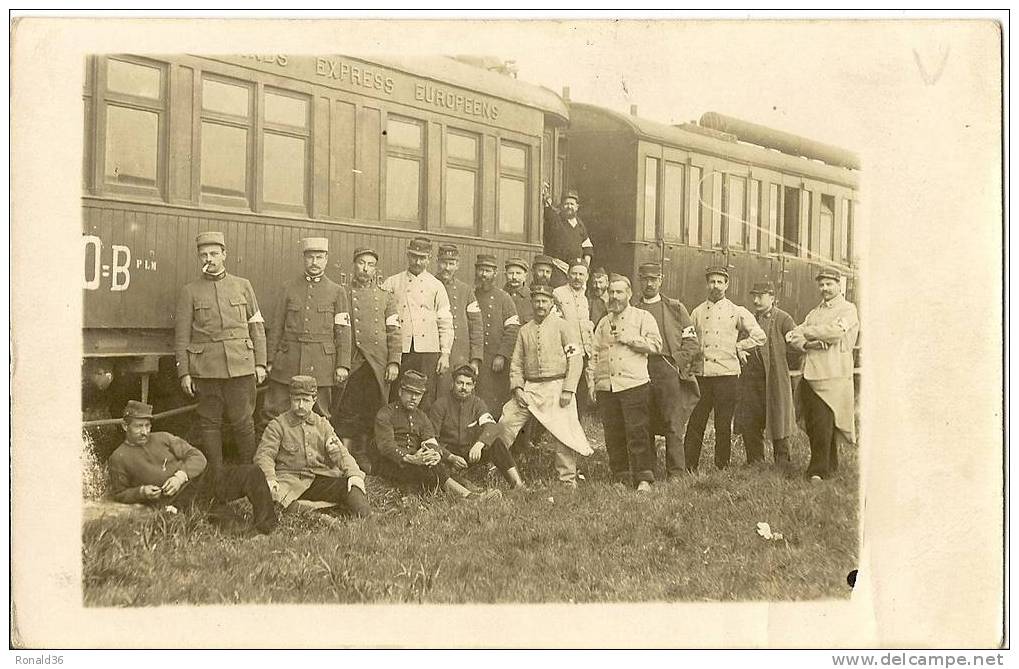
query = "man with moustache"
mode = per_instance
[
  {"x": 219, "y": 343},
  {"x": 426, "y": 321},
  {"x": 826, "y": 393},
  {"x": 571, "y": 300},
  {"x": 501, "y": 324},
  {"x": 719, "y": 324},
  {"x": 598, "y": 294},
  {"x": 468, "y": 328},
  {"x": 541, "y": 270},
  {"x": 309, "y": 335},
  {"x": 376, "y": 346},
  {"x": 623, "y": 341},
  {"x": 516, "y": 271},
  {"x": 566, "y": 236},
  {"x": 674, "y": 390},
  {"x": 544, "y": 372},
  {"x": 766, "y": 393}
]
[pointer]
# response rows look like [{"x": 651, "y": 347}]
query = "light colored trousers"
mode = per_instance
[{"x": 513, "y": 419}]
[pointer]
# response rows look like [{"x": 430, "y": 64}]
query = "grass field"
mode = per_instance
[{"x": 691, "y": 539}]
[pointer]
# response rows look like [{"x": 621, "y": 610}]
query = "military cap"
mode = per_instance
[
  {"x": 541, "y": 289},
  {"x": 578, "y": 262},
  {"x": 465, "y": 370},
  {"x": 613, "y": 278},
  {"x": 365, "y": 250},
  {"x": 599, "y": 271},
  {"x": 762, "y": 287},
  {"x": 414, "y": 381},
  {"x": 449, "y": 252},
  {"x": 303, "y": 385},
  {"x": 136, "y": 409},
  {"x": 210, "y": 237},
  {"x": 486, "y": 260},
  {"x": 721, "y": 270},
  {"x": 650, "y": 269},
  {"x": 314, "y": 244},
  {"x": 572, "y": 194},
  {"x": 542, "y": 260},
  {"x": 828, "y": 273},
  {"x": 518, "y": 262},
  {"x": 420, "y": 246}
]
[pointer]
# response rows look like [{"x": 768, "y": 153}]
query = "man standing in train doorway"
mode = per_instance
[
  {"x": 766, "y": 393},
  {"x": 468, "y": 329},
  {"x": 309, "y": 335},
  {"x": 425, "y": 319},
  {"x": 719, "y": 324},
  {"x": 674, "y": 391},
  {"x": 499, "y": 316},
  {"x": 566, "y": 235},
  {"x": 375, "y": 358},
  {"x": 826, "y": 393},
  {"x": 219, "y": 344}
]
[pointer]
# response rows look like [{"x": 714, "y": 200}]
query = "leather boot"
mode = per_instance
[{"x": 513, "y": 477}]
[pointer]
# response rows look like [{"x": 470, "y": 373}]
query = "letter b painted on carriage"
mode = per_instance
[{"x": 117, "y": 269}]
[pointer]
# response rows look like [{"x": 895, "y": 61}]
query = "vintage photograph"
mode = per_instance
[
  {"x": 416, "y": 329},
  {"x": 548, "y": 331}
]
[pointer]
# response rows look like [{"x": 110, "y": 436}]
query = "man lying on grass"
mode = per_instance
[
  {"x": 160, "y": 469},
  {"x": 407, "y": 448},
  {"x": 303, "y": 459},
  {"x": 467, "y": 433}
]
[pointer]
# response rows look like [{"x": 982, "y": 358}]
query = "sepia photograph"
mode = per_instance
[{"x": 481, "y": 323}]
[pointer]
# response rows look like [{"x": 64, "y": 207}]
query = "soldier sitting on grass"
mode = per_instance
[
  {"x": 467, "y": 431},
  {"x": 407, "y": 448},
  {"x": 303, "y": 459},
  {"x": 161, "y": 469}
]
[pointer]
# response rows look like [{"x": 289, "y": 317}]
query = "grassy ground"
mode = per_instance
[{"x": 691, "y": 539}]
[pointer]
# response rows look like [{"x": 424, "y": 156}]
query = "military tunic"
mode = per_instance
[
  {"x": 400, "y": 432},
  {"x": 468, "y": 329},
  {"x": 499, "y": 315},
  {"x": 522, "y": 301},
  {"x": 310, "y": 331}
]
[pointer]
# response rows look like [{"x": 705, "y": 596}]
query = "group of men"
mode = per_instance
[{"x": 420, "y": 376}]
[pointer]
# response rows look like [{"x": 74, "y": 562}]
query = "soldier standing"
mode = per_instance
[
  {"x": 501, "y": 325},
  {"x": 309, "y": 334},
  {"x": 468, "y": 329},
  {"x": 375, "y": 360},
  {"x": 541, "y": 270},
  {"x": 516, "y": 276},
  {"x": 219, "y": 344}
]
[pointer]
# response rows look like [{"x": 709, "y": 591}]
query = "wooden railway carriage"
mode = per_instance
[
  {"x": 273, "y": 148},
  {"x": 691, "y": 196}
]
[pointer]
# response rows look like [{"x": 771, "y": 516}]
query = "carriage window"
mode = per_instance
[
  {"x": 404, "y": 169},
  {"x": 134, "y": 79},
  {"x": 513, "y": 178},
  {"x": 716, "y": 205},
  {"x": 231, "y": 99},
  {"x": 802, "y": 249},
  {"x": 696, "y": 207},
  {"x": 132, "y": 146},
  {"x": 754, "y": 220},
  {"x": 286, "y": 110},
  {"x": 461, "y": 180},
  {"x": 650, "y": 197},
  {"x": 226, "y": 129},
  {"x": 847, "y": 232},
  {"x": 285, "y": 141},
  {"x": 826, "y": 226},
  {"x": 735, "y": 209},
  {"x": 673, "y": 213},
  {"x": 770, "y": 241}
]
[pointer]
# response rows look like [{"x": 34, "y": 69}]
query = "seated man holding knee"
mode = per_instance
[
  {"x": 467, "y": 433},
  {"x": 303, "y": 459},
  {"x": 407, "y": 450}
]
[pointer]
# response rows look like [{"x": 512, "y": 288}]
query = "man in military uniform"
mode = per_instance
[
  {"x": 674, "y": 391},
  {"x": 161, "y": 469},
  {"x": 598, "y": 294},
  {"x": 468, "y": 329},
  {"x": 467, "y": 432},
  {"x": 375, "y": 360},
  {"x": 517, "y": 270},
  {"x": 544, "y": 372},
  {"x": 541, "y": 270},
  {"x": 406, "y": 445},
  {"x": 220, "y": 348},
  {"x": 303, "y": 459},
  {"x": 572, "y": 303},
  {"x": 309, "y": 334},
  {"x": 501, "y": 325},
  {"x": 566, "y": 236},
  {"x": 425, "y": 318}
]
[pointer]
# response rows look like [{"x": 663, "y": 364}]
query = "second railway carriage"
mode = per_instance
[
  {"x": 271, "y": 148},
  {"x": 769, "y": 205}
]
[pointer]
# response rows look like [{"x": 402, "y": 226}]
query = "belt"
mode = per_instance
[
  {"x": 202, "y": 338},
  {"x": 542, "y": 379},
  {"x": 309, "y": 338}
]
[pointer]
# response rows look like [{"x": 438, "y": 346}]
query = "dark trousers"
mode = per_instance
[
  {"x": 361, "y": 400},
  {"x": 225, "y": 484},
  {"x": 229, "y": 401},
  {"x": 753, "y": 420},
  {"x": 496, "y": 453},
  {"x": 820, "y": 424},
  {"x": 276, "y": 401},
  {"x": 334, "y": 489},
  {"x": 424, "y": 363},
  {"x": 667, "y": 414},
  {"x": 624, "y": 419},
  {"x": 426, "y": 478},
  {"x": 718, "y": 394}
]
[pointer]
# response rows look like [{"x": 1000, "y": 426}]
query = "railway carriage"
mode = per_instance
[
  {"x": 767, "y": 204},
  {"x": 271, "y": 148}
]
